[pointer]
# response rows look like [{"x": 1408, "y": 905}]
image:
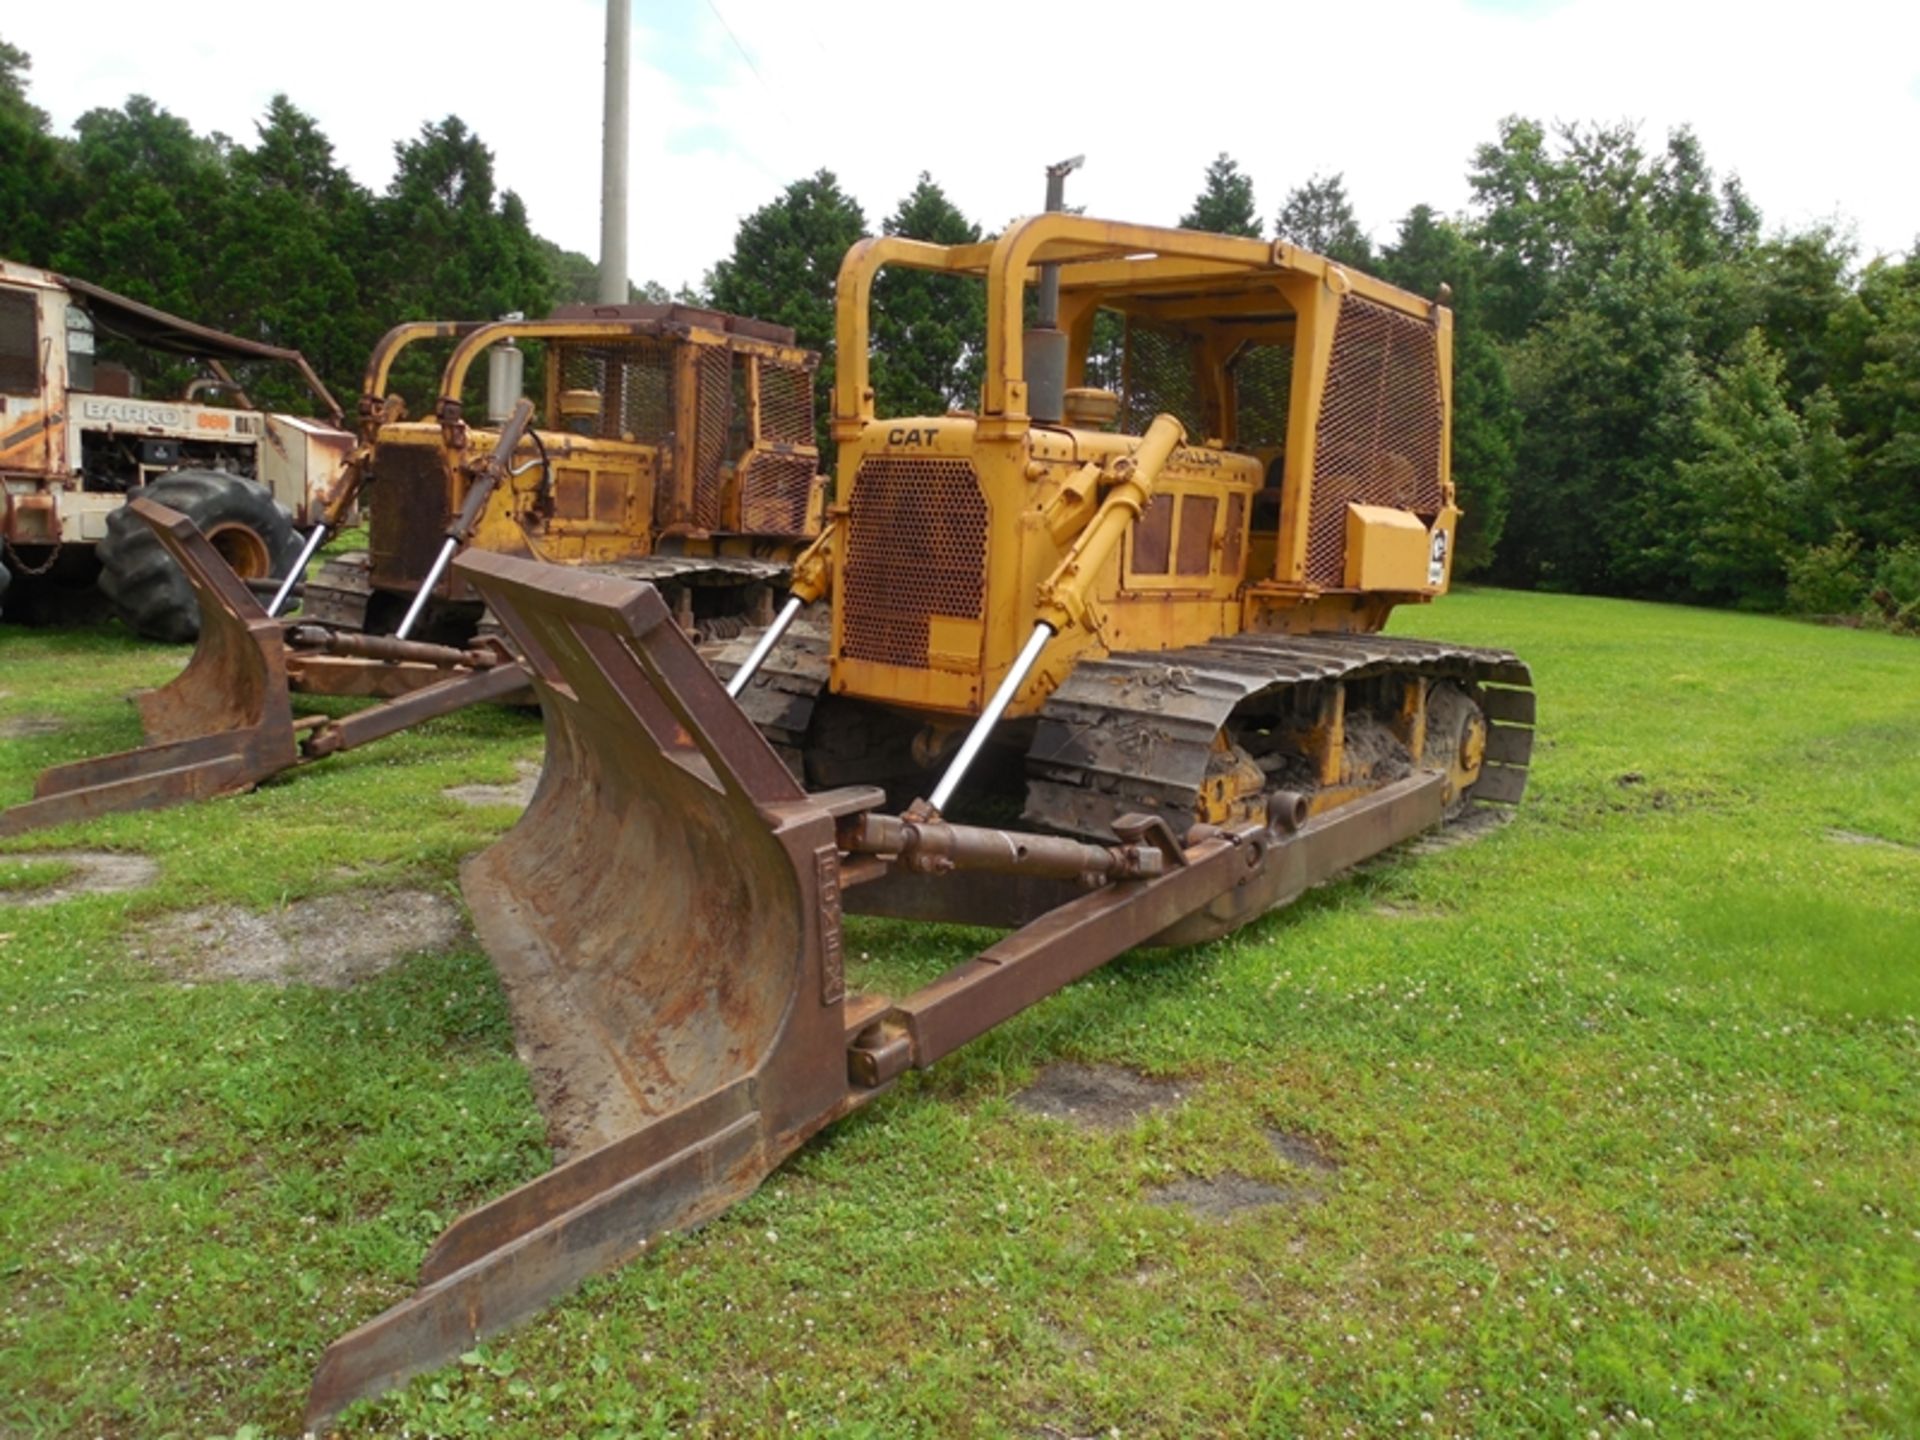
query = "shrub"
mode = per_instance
[{"x": 1827, "y": 579}]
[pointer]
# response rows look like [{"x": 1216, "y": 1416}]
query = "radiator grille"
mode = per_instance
[
  {"x": 1379, "y": 432},
  {"x": 409, "y": 505},
  {"x": 916, "y": 547},
  {"x": 773, "y": 494},
  {"x": 786, "y": 404}
]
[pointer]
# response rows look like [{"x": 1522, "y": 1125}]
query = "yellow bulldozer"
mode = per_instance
[
  {"x": 677, "y": 447},
  {"x": 1143, "y": 617}
]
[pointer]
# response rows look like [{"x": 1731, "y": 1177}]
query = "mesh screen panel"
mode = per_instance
[
  {"x": 773, "y": 494},
  {"x": 1158, "y": 376},
  {"x": 1379, "y": 432},
  {"x": 916, "y": 546},
  {"x": 710, "y": 439},
  {"x": 1262, "y": 390},
  {"x": 634, "y": 379},
  {"x": 786, "y": 404}
]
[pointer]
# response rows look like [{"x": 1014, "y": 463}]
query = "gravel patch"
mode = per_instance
[
  {"x": 95, "y": 872},
  {"x": 332, "y": 941},
  {"x": 516, "y": 793},
  {"x": 1230, "y": 1194}
]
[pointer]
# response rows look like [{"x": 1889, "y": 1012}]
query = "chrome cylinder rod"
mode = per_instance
[
  {"x": 763, "y": 646},
  {"x": 989, "y": 717},
  {"x": 299, "y": 568},
  {"x": 433, "y": 578}
]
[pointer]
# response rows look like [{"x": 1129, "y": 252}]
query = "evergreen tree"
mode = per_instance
[
  {"x": 573, "y": 278},
  {"x": 1741, "y": 504},
  {"x": 1683, "y": 204},
  {"x": 293, "y": 246},
  {"x": 1800, "y": 281},
  {"x": 454, "y": 245},
  {"x": 786, "y": 257},
  {"x": 446, "y": 244},
  {"x": 1877, "y": 384},
  {"x": 1607, "y": 390},
  {"x": 1317, "y": 216},
  {"x": 929, "y": 330},
  {"x": 155, "y": 195},
  {"x": 1224, "y": 205},
  {"x": 14, "y": 65}
]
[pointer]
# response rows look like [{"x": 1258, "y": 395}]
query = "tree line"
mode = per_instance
[{"x": 1654, "y": 395}]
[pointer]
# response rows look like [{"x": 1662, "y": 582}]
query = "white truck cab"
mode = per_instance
[{"x": 77, "y": 435}]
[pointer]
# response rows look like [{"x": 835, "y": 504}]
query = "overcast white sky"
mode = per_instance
[{"x": 1816, "y": 107}]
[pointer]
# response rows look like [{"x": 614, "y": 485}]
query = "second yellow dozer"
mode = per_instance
[
  {"x": 1143, "y": 619},
  {"x": 677, "y": 448}
]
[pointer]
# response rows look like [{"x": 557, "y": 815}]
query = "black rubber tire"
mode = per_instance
[
  {"x": 147, "y": 589},
  {"x": 6, "y": 579}
]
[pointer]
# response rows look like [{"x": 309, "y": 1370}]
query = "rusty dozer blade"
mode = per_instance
[
  {"x": 665, "y": 920},
  {"x": 226, "y": 721}
]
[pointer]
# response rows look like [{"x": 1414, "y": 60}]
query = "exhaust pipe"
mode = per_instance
[{"x": 1044, "y": 346}]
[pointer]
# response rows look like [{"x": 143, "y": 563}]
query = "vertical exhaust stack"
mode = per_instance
[
  {"x": 1045, "y": 345},
  {"x": 506, "y": 376},
  {"x": 613, "y": 157}
]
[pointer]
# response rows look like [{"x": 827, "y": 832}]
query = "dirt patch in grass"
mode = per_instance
[
  {"x": 1404, "y": 910},
  {"x": 332, "y": 941},
  {"x": 1302, "y": 1151},
  {"x": 1097, "y": 1097},
  {"x": 515, "y": 793},
  {"x": 1478, "y": 821},
  {"x": 1230, "y": 1193},
  {"x": 79, "y": 872},
  {"x": 1854, "y": 837},
  {"x": 30, "y": 727}
]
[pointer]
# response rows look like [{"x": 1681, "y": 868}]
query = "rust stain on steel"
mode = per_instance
[{"x": 666, "y": 912}]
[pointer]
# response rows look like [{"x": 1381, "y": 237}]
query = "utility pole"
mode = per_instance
[{"x": 613, "y": 157}]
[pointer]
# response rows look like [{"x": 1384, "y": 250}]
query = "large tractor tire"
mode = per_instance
[{"x": 250, "y": 529}]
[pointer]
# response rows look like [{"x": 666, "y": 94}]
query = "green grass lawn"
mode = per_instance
[{"x": 1625, "y": 1095}]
